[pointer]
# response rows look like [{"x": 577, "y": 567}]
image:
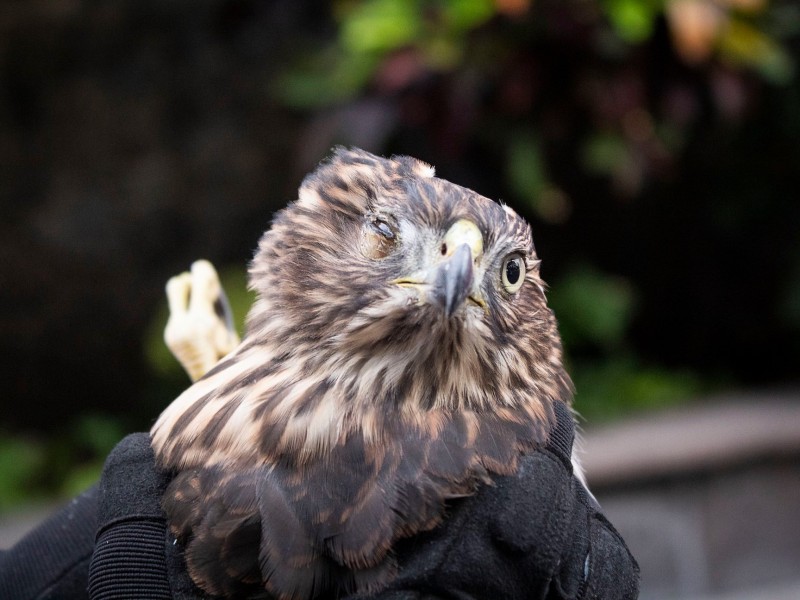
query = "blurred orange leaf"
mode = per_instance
[
  {"x": 513, "y": 8},
  {"x": 695, "y": 26}
]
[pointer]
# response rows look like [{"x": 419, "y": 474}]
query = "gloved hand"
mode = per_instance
[{"x": 537, "y": 534}]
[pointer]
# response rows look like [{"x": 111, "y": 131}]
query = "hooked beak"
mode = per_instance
[{"x": 452, "y": 280}]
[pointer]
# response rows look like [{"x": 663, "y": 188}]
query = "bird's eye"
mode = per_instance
[
  {"x": 383, "y": 228},
  {"x": 513, "y": 272},
  {"x": 378, "y": 238}
]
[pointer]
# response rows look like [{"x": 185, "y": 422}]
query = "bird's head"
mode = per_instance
[{"x": 384, "y": 270}]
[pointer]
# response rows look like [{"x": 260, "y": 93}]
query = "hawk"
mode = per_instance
[{"x": 399, "y": 355}]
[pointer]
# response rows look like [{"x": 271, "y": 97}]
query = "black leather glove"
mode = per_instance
[{"x": 537, "y": 534}]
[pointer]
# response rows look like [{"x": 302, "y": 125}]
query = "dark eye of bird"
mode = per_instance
[{"x": 513, "y": 272}]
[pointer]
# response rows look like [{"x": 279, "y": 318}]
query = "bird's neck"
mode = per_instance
[
  {"x": 262, "y": 403},
  {"x": 285, "y": 391}
]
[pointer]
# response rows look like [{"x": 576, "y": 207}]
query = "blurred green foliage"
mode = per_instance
[
  {"x": 528, "y": 178},
  {"x": 593, "y": 308},
  {"x": 621, "y": 385},
  {"x": 367, "y": 32},
  {"x": 633, "y": 20},
  {"x": 58, "y": 466},
  {"x": 745, "y": 33},
  {"x": 20, "y": 460},
  {"x": 595, "y": 311}
]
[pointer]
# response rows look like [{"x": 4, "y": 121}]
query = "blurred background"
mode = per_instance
[{"x": 654, "y": 146}]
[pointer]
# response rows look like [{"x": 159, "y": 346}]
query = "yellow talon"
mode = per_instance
[{"x": 195, "y": 334}]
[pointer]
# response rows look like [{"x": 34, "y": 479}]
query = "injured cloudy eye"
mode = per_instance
[
  {"x": 378, "y": 238},
  {"x": 513, "y": 272},
  {"x": 383, "y": 228}
]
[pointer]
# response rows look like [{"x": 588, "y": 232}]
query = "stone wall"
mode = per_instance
[{"x": 708, "y": 498}]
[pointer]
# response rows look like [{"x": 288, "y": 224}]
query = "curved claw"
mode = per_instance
[{"x": 200, "y": 329}]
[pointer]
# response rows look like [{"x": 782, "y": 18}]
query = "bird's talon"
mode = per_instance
[{"x": 198, "y": 333}]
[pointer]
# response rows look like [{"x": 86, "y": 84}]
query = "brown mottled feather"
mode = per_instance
[{"x": 354, "y": 410}]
